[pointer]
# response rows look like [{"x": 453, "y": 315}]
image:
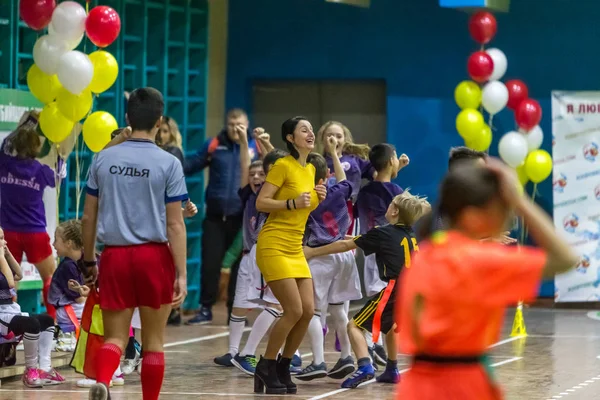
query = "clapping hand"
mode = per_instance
[{"x": 321, "y": 191}]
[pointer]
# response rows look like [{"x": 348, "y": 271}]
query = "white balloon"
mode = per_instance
[
  {"x": 47, "y": 52},
  {"x": 494, "y": 97},
  {"x": 500, "y": 63},
  {"x": 534, "y": 138},
  {"x": 68, "y": 21},
  {"x": 513, "y": 149},
  {"x": 71, "y": 45},
  {"x": 75, "y": 71}
]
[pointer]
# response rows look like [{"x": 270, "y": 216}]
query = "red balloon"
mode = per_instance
[
  {"x": 528, "y": 114},
  {"x": 482, "y": 27},
  {"x": 36, "y": 13},
  {"x": 517, "y": 92},
  {"x": 103, "y": 26},
  {"x": 480, "y": 66}
]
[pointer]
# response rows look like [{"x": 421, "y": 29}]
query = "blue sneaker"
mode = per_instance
[
  {"x": 246, "y": 364},
  {"x": 362, "y": 375},
  {"x": 391, "y": 375},
  {"x": 313, "y": 371},
  {"x": 296, "y": 361},
  {"x": 202, "y": 318},
  {"x": 295, "y": 370},
  {"x": 224, "y": 360}
]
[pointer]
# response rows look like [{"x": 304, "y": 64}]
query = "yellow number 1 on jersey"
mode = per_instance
[{"x": 404, "y": 244}]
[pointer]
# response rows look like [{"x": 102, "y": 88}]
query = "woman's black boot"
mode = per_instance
[
  {"x": 265, "y": 378},
  {"x": 283, "y": 373}
]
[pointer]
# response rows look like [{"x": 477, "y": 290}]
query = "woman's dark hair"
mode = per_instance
[
  {"x": 271, "y": 157},
  {"x": 288, "y": 128},
  {"x": 466, "y": 185},
  {"x": 320, "y": 164},
  {"x": 26, "y": 144}
]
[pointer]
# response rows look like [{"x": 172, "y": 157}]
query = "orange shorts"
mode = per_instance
[
  {"x": 35, "y": 245},
  {"x": 429, "y": 381},
  {"x": 136, "y": 276}
]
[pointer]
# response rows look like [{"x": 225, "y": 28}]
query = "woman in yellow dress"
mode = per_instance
[{"x": 289, "y": 194}]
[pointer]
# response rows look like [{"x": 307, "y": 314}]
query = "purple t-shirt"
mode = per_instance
[
  {"x": 250, "y": 219},
  {"x": 6, "y": 295},
  {"x": 355, "y": 168},
  {"x": 59, "y": 294},
  {"x": 330, "y": 221},
  {"x": 372, "y": 203},
  {"x": 22, "y": 184}
]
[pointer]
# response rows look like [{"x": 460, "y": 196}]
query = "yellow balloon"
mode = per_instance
[
  {"x": 467, "y": 95},
  {"x": 97, "y": 129},
  {"x": 538, "y": 165},
  {"x": 43, "y": 86},
  {"x": 74, "y": 107},
  {"x": 522, "y": 174},
  {"x": 106, "y": 71},
  {"x": 54, "y": 125},
  {"x": 482, "y": 141},
  {"x": 469, "y": 123}
]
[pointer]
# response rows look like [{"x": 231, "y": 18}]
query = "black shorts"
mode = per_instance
[{"x": 365, "y": 317}]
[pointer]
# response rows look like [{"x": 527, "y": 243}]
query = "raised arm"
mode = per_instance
[
  {"x": 263, "y": 140},
  {"x": 340, "y": 174},
  {"x": 244, "y": 156},
  {"x": 5, "y": 269},
  {"x": 13, "y": 264}
]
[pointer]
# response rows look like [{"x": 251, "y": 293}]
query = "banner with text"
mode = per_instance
[
  {"x": 13, "y": 103},
  {"x": 576, "y": 185}
]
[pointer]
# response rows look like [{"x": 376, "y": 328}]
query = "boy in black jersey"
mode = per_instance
[{"x": 392, "y": 245}]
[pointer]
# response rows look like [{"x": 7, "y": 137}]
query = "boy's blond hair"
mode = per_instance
[{"x": 410, "y": 207}]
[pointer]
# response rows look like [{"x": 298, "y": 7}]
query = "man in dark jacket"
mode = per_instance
[{"x": 223, "y": 217}]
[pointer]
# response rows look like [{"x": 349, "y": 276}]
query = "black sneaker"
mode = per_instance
[
  {"x": 202, "y": 318},
  {"x": 342, "y": 368},
  {"x": 174, "y": 318},
  {"x": 224, "y": 360},
  {"x": 380, "y": 355}
]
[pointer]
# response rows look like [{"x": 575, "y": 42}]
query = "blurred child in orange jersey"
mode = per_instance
[{"x": 452, "y": 300}]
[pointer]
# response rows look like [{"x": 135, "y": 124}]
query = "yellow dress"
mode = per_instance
[{"x": 279, "y": 252}]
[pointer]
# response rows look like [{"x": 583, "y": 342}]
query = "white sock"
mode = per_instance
[
  {"x": 45, "y": 348},
  {"x": 236, "y": 330},
  {"x": 31, "y": 343},
  {"x": 380, "y": 340},
  {"x": 118, "y": 371},
  {"x": 262, "y": 324},
  {"x": 324, "y": 316},
  {"x": 315, "y": 334},
  {"x": 369, "y": 338},
  {"x": 297, "y": 353},
  {"x": 339, "y": 321}
]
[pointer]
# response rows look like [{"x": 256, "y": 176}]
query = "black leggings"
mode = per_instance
[{"x": 33, "y": 324}]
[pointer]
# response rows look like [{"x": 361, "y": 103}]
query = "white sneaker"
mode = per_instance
[
  {"x": 129, "y": 365},
  {"x": 66, "y": 342},
  {"x": 88, "y": 383}
]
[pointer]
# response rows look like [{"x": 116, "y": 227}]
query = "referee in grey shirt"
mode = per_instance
[{"x": 133, "y": 203}]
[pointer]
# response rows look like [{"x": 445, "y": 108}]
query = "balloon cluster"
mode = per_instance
[
  {"x": 63, "y": 78},
  {"x": 519, "y": 149}
]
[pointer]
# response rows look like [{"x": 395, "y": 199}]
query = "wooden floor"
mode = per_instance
[{"x": 558, "y": 360}]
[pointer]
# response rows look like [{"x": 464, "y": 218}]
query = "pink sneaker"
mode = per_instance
[
  {"x": 51, "y": 377},
  {"x": 31, "y": 378}
]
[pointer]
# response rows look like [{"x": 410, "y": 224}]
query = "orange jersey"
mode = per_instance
[{"x": 451, "y": 304}]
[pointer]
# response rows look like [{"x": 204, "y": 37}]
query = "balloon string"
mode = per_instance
[
  {"x": 77, "y": 178},
  {"x": 57, "y": 182},
  {"x": 533, "y": 195}
]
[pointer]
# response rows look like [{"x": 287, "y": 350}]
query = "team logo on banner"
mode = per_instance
[
  {"x": 571, "y": 222},
  {"x": 559, "y": 184},
  {"x": 583, "y": 265},
  {"x": 590, "y": 151}
]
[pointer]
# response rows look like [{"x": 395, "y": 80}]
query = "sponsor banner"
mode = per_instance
[{"x": 576, "y": 186}]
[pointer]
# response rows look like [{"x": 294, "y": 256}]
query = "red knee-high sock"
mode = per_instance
[
  {"x": 107, "y": 361},
  {"x": 153, "y": 372},
  {"x": 50, "y": 310}
]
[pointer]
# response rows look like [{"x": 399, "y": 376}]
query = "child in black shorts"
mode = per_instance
[{"x": 392, "y": 245}]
